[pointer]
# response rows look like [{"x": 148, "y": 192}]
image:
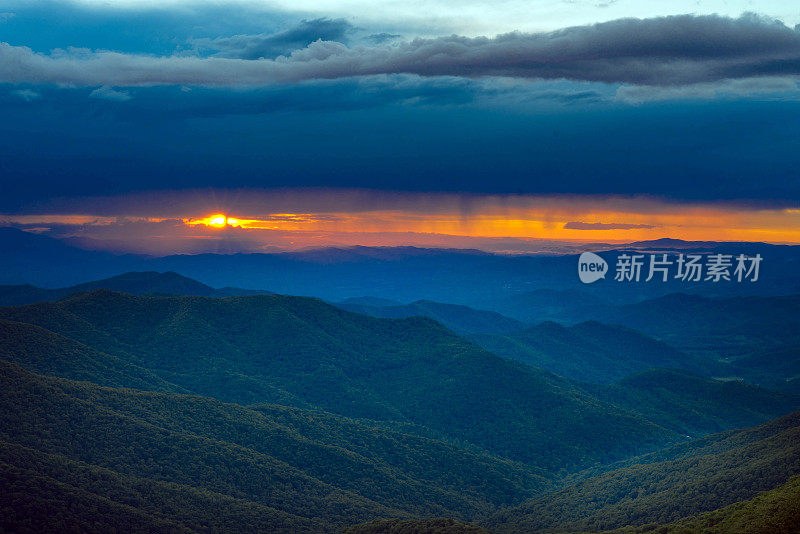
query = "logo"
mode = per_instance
[
  {"x": 591, "y": 267},
  {"x": 631, "y": 267}
]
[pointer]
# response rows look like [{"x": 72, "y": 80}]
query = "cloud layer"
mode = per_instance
[
  {"x": 667, "y": 51},
  {"x": 279, "y": 43}
]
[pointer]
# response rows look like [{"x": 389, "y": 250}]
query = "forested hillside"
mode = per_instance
[
  {"x": 416, "y": 526},
  {"x": 692, "y": 404},
  {"x": 318, "y": 466},
  {"x": 771, "y": 512},
  {"x": 459, "y": 319},
  {"x": 678, "y": 482},
  {"x": 286, "y": 414},
  {"x": 591, "y": 351},
  {"x": 307, "y": 353},
  {"x": 48, "y": 353},
  {"x": 722, "y": 327}
]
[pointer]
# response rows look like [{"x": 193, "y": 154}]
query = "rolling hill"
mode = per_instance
[
  {"x": 306, "y": 353},
  {"x": 724, "y": 327},
  {"x": 694, "y": 405},
  {"x": 679, "y": 482},
  {"x": 134, "y": 448},
  {"x": 775, "y": 511},
  {"x": 590, "y": 351},
  {"x": 100, "y": 458},
  {"x": 286, "y": 414},
  {"x": 415, "y": 526},
  {"x": 756, "y": 338},
  {"x": 459, "y": 319},
  {"x": 546, "y": 304},
  {"x": 135, "y": 283},
  {"x": 51, "y": 354}
]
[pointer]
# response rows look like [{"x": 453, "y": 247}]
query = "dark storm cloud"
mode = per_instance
[
  {"x": 723, "y": 150},
  {"x": 279, "y": 43},
  {"x": 383, "y": 37},
  {"x": 666, "y": 51},
  {"x": 160, "y": 104}
]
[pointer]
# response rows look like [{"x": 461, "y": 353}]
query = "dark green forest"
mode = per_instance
[{"x": 270, "y": 413}]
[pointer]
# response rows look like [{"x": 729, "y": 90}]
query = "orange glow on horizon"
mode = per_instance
[
  {"x": 688, "y": 222},
  {"x": 510, "y": 224}
]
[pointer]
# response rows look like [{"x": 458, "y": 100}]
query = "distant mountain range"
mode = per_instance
[
  {"x": 540, "y": 305},
  {"x": 591, "y": 351},
  {"x": 135, "y": 283},
  {"x": 404, "y": 274},
  {"x": 754, "y": 338},
  {"x": 758, "y": 338}
]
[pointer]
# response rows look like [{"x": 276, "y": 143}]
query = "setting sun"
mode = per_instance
[{"x": 217, "y": 220}]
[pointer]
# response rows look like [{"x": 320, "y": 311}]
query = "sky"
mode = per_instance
[{"x": 509, "y": 126}]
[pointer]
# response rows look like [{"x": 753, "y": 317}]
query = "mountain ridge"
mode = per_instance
[
  {"x": 269, "y": 348},
  {"x": 407, "y": 274},
  {"x": 134, "y": 282}
]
